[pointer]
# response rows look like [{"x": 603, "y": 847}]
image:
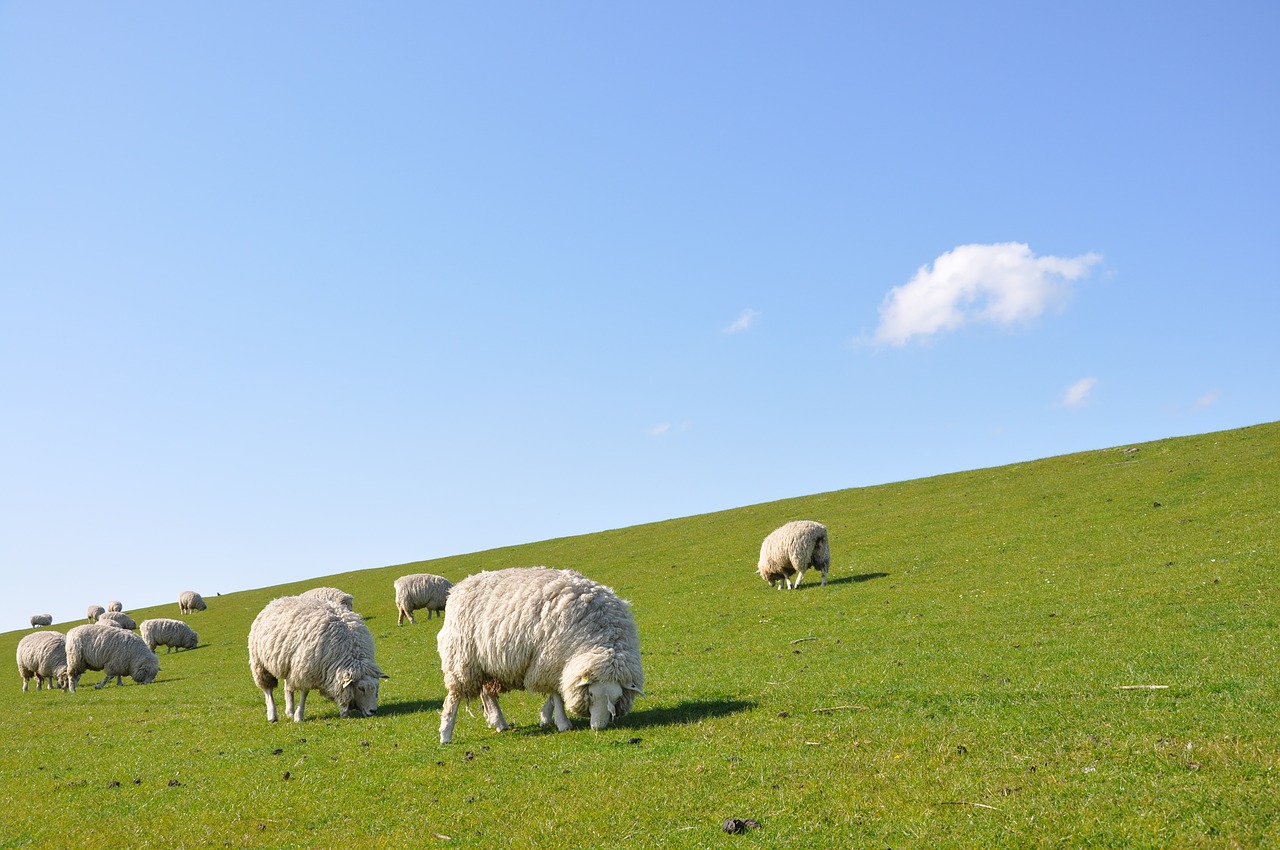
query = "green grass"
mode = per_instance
[{"x": 972, "y": 650}]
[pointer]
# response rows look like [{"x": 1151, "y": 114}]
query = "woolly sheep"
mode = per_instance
[
  {"x": 114, "y": 605},
  {"x": 173, "y": 634},
  {"x": 420, "y": 590},
  {"x": 118, "y": 618},
  {"x": 116, "y": 652},
  {"x": 94, "y": 612},
  {"x": 308, "y": 643},
  {"x": 791, "y": 550},
  {"x": 41, "y": 620},
  {"x": 553, "y": 632},
  {"x": 43, "y": 656},
  {"x": 331, "y": 594},
  {"x": 189, "y": 601}
]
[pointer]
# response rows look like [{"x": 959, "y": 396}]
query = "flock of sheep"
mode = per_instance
[{"x": 537, "y": 629}]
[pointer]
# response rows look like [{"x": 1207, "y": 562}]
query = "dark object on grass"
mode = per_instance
[{"x": 737, "y": 826}]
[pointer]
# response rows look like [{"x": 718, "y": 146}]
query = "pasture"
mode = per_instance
[{"x": 1079, "y": 651}]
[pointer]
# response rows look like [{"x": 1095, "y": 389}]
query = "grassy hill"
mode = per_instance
[{"x": 1078, "y": 651}]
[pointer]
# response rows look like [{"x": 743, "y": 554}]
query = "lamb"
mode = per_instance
[
  {"x": 41, "y": 620},
  {"x": 308, "y": 643},
  {"x": 173, "y": 634},
  {"x": 553, "y": 632},
  {"x": 189, "y": 601},
  {"x": 420, "y": 590},
  {"x": 94, "y": 612},
  {"x": 115, "y": 605},
  {"x": 117, "y": 618},
  {"x": 43, "y": 656},
  {"x": 332, "y": 594},
  {"x": 116, "y": 652},
  {"x": 791, "y": 550}
]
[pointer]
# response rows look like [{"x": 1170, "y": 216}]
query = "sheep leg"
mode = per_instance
[
  {"x": 301, "y": 706},
  {"x": 553, "y": 709},
  {"x": 448, "y": 715},
  {"x": 103, "y": 683},
  {"x": 271, "y": 704},
  {"x": 493, "y": 712},
  {"x": 288, "y": 702}
]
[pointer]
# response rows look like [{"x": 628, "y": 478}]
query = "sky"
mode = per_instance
[{"x": 294, "y": 289}]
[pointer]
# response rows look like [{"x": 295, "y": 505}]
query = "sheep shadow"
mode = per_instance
[
  {"x": 411, "y": 706},
  {"x": 850, "y": 579},
  {"x": 686, "y": 712}
]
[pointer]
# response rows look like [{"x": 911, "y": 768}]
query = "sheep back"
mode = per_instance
[
  {"x": 41, "y": 620},
  {"x": 541, "y": 630},
  {"x": 420, "y": 590},
  {"x": 117, "y": 618},
  {"x": 43, "y": 656},
  {"x": 115, "y": 605},
  {"x": 189, "y": 601},
  {"x": 312, "y": 644},
  {"x": 173, "y": 634},
  {"x": 114, "y": 651},
  {"x": 331, "y": 594},
  {"x": 94, "y": 611},
  {"x": 792, "y": 549}
]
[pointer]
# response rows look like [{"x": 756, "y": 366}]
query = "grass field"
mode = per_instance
[{"x": 1075, "y": 652}]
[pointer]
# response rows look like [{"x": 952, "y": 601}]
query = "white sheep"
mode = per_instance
[
  {"x": 189, "y": 602},
  {"x": 115, "y": 605},
  {"x": 546, "y": 631},
  {"x": 117, "y": 618},
  {"x": 43, "y": 656},
  {"x": 791, "y": 550},
  {"x": 94, "y": 612},
  {"x": 172, "y": 634},
  {"x": 116, "y": 652},
  {"x": 331, "y": 594},
  {"x": 41, "y": 620},
  {"x": 308, "y": 643},
  {"x": 420, "y": 590}
]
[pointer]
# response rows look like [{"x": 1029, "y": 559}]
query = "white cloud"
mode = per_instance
[
  {"x": 1077, "y": 395},
  {"x": 1001, "y": 284},
  {"x": 744, "y": 321},
  {"x": 660, "y": 430},
  {"x": 1209, "y": 399}
]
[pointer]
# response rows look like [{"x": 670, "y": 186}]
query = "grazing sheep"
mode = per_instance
[
  {"x": 114, "y": 605},
  {"x": 547, "y": 631},
  {"x": 308, "y": 643},
  {"x": 117, "y": 618},
  {"x": 41, "y": 620},
  {"x": 420, "y": 590},
  {"x": 116, "y": 652},
  {"x": 94, "y": 612},
  {"x": 173, "y": 634},
  {"x": 331, "y": 594},
  {"x": 792, "y": 549},
  {"x": 189, "y": 601},
  {"x": 43, "y": 656}
]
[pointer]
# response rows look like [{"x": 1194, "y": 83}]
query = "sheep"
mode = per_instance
[
  {"x": 41, "y": 620},
  {"x": 332, "y": 594},
  {"x": 94, "y": 612},
  {"x": 308, "y": 643},
  {"x": 43, "y": 656},
  {"x": 116, "y": 652},
  {"x": 189, "y": 602},
  {"x": 420, "y": 590},
  {"x": 117, "y": 618},
  {"x": 792, "y": 549},
  {"x": 115, "y": 605},
  {"x": 174, "y": 634},
  {"x": 553, "y": 632}
]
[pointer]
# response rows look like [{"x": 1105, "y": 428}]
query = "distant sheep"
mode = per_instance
[
  {"x": 43, "y": 656},
  {"x": 793, "y": 549},
  {"x": 94, "y": 612},
  {"x": 116, "y": 652},
  {"x": 332, "y": 594},
  {"x": 420, "y": 590},
  {"x": 117, "y": 618},
  {"x": 172, "y": 634},
  {"x": 189, "y": 601},
  {"x": 547, "y": 631},
  {"x": 41, "y": 620},
  {"x": 307, "y": 643},
  {"x": 114, "y": 605}
]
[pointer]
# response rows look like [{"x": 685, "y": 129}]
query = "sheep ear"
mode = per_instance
[
  {"x": 584, "y": 682},
  {"x": 637, "y": 691},
  {"x": 346, "y": 681}
]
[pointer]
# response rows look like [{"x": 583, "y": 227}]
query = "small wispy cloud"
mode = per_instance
[
  {"x": 1000, "y": 284},
  {"x": 663, "y": 429},
  {"x": 743, "y": 322},
  {"x": 1078, "y": 394},
  {"x": 1207, "y": 400}
]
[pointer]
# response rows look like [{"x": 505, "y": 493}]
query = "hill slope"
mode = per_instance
[{"x": 1075, "y": 651}]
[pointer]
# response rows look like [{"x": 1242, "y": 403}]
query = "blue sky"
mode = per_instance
[{"x": 296, "y": 289}]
